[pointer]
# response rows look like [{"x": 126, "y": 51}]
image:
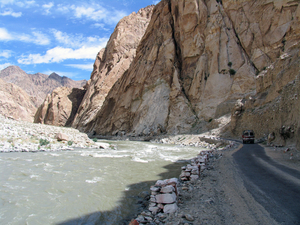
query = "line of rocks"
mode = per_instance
[
  {"x": 165, "y": 194},
  {"x": 203, "y": 141}
]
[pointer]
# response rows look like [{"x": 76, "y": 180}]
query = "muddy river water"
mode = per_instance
[{"x": 84, "y": 186}]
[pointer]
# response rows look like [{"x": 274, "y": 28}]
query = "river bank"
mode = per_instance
[
  {"x": 191, "y": 193},
  {"x": 21, "y": 136},
  {"x": 219, "y": 195}
]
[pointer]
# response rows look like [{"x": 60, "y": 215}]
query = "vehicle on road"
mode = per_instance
[{"x": 248, "y": 136}]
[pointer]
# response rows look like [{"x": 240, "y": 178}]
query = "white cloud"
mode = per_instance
[
  {"x": 88, "y": 67},
  {"x": 23, "y": 4},
  {"x": 4, "y": 35},
  {"x": 40, "y": 38},
  {"x": 77, "y": 40},
  {"x": 5, "y": 53},
  {"x": 59, "y": 54},
  {"x": 3, "y": 66},
  {"x": 6, "y": 2},
  {"x": 9, "y": 12},
  {"x": 94, "y": 12},
  {"x": 156, "y": 2},
  {"x": 47, "y": 7},
  {"x": 35, "y": 37},
  {"x": 70, "y": 47}
]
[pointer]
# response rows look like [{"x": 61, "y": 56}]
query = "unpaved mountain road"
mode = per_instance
[
  {"x": 244, "y": 186},
  {"x": 275, "y": 186}
]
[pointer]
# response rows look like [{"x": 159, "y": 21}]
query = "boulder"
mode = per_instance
[{"x": 62, "y": 137}]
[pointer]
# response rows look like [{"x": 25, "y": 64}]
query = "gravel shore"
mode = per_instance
[{"x": 21, "y": 136}]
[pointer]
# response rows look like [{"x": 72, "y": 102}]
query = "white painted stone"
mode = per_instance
[
  {"x": 167, "y": 189},
  {"x": 172, "y": 180},
  {"x": 170, "y": 208},
  {"x": 152, "y": 204},
  {"x": 160, "y": 183},
  {"x": 161, "y": 206},
  {"x": 154, "y": 188},
  {"x": 166, "y": 198},
  {"x": 154, "y": 210}
]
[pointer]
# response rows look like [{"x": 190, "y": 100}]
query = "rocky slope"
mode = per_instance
[
  {"x": 60, "y": 107},
  {"x": 111, "y": 63},
  {"x": 15, "y": 102},
  {"x": 273, "y": 112},
  {"x": 195, "y": 61},
  {"x": 37, "y": 85}
]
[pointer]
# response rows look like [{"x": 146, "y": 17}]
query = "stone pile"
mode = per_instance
[
  {"x": 164, "y": 196},
  {"x": 163, "y": 201},
  {"x": 191, "y": 172}
]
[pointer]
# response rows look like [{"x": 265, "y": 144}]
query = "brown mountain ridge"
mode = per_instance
[{"x": 36, "y": 86}]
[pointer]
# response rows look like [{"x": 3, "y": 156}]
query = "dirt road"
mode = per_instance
[{"x": 235, "y": 190}]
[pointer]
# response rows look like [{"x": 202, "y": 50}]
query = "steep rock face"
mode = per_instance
[
  {"x": 15, "y": 102},
  {"x": 37, "y": 85},
  {"x": 111, "y": 63},
  {"x": 275, "y": 110},
  {"x": 195, "y": 60},
  {"x": 60, "y": 107}
]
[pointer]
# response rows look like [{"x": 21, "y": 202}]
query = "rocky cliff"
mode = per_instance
[
  {"x": 273, "y": 112},
  {"x": 59, "y": 107},
  {"x": 195, "y": 61},
  {"x": 111, "y": 63},
  {"x": 15, "y": 102}
]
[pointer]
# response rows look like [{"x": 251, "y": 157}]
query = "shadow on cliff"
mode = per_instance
[{"x": 133, "y": 201}]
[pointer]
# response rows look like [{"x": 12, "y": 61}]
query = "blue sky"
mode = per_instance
[{"x": 62, "y": 36}]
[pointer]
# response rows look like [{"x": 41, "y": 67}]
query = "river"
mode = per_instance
[{"x": 84, "y": 186}]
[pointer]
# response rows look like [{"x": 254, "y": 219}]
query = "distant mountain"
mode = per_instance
[
  {"x": 21, "y": 93},
  {"x": 15, "y": 102},
  {"x": 37, "y": 85}
]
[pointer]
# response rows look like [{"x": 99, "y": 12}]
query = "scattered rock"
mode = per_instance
[
  {"x": 189, "y": 217},
  {"x": 22, "y": 136},
  {"x": 62, "y": 137}
]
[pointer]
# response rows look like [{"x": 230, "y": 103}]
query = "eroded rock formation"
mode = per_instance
[
  {"x": 196, "y": 59},
  {"x": 60, "y": 107},
  {"x": 111, "y": 63}
]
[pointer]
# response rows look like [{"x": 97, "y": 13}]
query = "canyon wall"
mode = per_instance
[
  {"x": 111, "y": 63},
  {"x": 195, "y": 61},
  {"x": 59, "y": 107},
  {"x": 274, "y": 111}
]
